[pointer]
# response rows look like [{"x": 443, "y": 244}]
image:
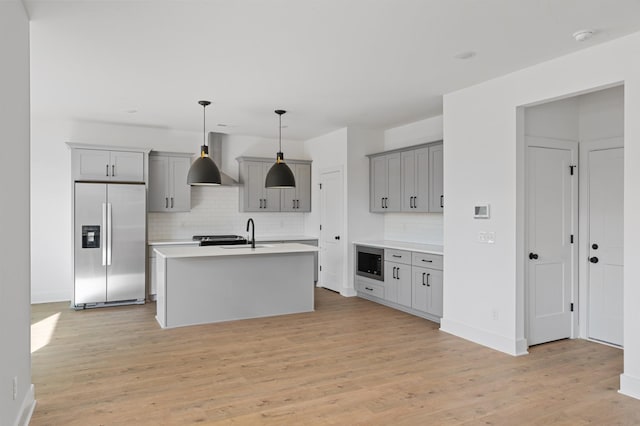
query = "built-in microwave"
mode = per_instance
[{"x": 370, "y": 262}]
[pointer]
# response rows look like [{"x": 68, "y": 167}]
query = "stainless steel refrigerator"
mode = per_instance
[{"x": 109, "y": 244}]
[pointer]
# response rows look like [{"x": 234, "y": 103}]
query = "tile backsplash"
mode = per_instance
[
  {"x": 215, "y": 210},
  {"x": 425, "y": 228}
]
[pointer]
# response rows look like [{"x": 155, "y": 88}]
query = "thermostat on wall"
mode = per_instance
[{"x": 481, "y": 211}]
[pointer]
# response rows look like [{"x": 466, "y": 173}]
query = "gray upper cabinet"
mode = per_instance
[
  {"x": 407, "y": 180},
  {"x": 436, "y": 188},
  {"x": 254, "y": 197},
  {"x": 107, "y": 165},
  {"x": 298, "y": 199},
  {"x": 168, "y": 188},
  {"x": 415, "y": 180},
  {"x": 385, "y": 183}
]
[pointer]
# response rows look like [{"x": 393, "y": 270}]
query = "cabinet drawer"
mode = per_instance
[
  {"x": 372, "y": 289},
  {"x": 426, "y": 260},
  {"x": 398, "y": 256}
]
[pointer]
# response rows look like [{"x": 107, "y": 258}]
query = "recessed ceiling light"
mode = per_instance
[
  {"x": 221, "y": 125},
  {"x": 132, "y": 111},
  {"x": 583, "y": 35},
  {"x": 465, "y": 55}
]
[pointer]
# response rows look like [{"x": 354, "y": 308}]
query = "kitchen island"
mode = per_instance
[{"x": 199, "y": 285}]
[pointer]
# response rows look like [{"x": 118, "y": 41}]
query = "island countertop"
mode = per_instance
[
  {"x": 401, "y": 245},
  {"x": 237, "y": 250}
]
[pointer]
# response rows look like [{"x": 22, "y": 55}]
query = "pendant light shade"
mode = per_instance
[
  {"x": 204, "y": 171},
  {"x": 280, "y": 175}
]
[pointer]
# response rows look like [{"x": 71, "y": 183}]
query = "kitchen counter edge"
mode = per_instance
[{"x": 401, "y": 245}]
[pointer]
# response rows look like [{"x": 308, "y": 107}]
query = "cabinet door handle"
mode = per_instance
[
  {"x": 442, "y": 201},
  {"x": 293, "y": 204},
  {"x": 394, "y": 272},
  {"x": 398, "y": 273},
  {"x": 113, "y": 170},
  {"x": 368, "y": 288},
  {"x": 415, "y": 202},
  {"x": 262, "y": 203},
  {"x": 171, "y": 202},
  {"x": 265, "y": 203},
  {"x": 428, "y": 285},
  {"x": 428, "y": 261},
  {"x": 298, "y": 204},
  {"x": 396, "y": 255},
  {"x": 423, "y": 274},
  {"x": 166, "y": 202},
  {"x": 386, "y": 204},
  {"x": 107, "y": 174},
  {"x": 382, "y": 203}
]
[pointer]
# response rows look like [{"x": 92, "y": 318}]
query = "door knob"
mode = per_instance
[
  {"x": 593, "y": 259},
  {"x": 337, "y": 237},
  {"x": 533, "y": 256},
  {"x": 594, "y": 246}
]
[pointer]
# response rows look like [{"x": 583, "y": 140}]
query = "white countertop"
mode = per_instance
[
  {"x": 189, "y": 241},
  {"x": 401, "y": 245},
  {"x": 215, "y": 251},
  {"x": 173, "y": 242}
]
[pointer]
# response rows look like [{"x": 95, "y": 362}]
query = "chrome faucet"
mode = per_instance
[{"x": 253, "y": 232}]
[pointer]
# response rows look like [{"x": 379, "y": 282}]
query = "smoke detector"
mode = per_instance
[{"x": 583, "y": 35}]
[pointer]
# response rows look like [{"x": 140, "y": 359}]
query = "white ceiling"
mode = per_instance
[{"x": 330, "y": 63}]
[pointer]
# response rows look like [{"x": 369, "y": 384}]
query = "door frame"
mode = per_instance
[
  {"x": 583, "y": 240},
  {"x": 551, "y": 143},
  {"x": 343, "y": 245}
]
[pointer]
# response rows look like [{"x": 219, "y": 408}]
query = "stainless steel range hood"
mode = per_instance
[{"x": 215, "y": 152}]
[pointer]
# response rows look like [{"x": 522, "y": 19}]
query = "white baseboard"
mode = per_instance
[
  {"x": 630, "y": 386},
  {"x": 26, "y": 408},
  {"x": 491, "y": 340},
  {"x": 349, "y": 292},
  {"x": 50, "y": 297}
]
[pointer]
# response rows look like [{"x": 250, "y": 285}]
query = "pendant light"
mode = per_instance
[
  {"x": 204, "y": 171},
  {"x": 280, "y": 175}
]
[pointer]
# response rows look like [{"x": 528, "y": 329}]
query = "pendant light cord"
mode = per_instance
[
  {"x": 204, "y": 125},
  {"x": 280, "y": 134}
]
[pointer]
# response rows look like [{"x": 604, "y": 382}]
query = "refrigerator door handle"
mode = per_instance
[
  {"x": 109, "y": 233},
  {"x": 104, "y": 228}
]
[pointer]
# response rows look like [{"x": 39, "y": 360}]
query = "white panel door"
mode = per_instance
[
  {"x": 606, "y": 230},
  {"x": 332, "y": 232},
  {"x": 551, "y": 205}
]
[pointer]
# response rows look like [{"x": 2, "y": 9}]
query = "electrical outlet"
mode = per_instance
[
  {"x": 494, "y": 314},
  {"x": 482, "y": 237},
  {"x": 490, "y": 237},
  {"x": 15, "y": 388}
]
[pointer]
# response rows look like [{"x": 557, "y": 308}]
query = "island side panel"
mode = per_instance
[
  {"x": 222, "y": 288},
  {"x": 161, "y": 307}
]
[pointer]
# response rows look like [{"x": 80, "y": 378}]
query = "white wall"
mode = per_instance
[
  {"x": 424, "y": 228},
  {"x": 361, "y": 224},
  {"x": 483, "y": 162},
  {"x": 15, "y": 312},
  {"x": 51, "y": 193},
  {"x": 346, "y": 149}
]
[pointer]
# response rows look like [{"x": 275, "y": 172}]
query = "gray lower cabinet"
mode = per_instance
[
  {"x": 427, "y": 283},
  {"x": 168, "y": 188},
  {"x": 412, "y": 283},
  {"x": 254, "y": 197},
  {"x": 427, "y": 291},
  {"x": 88, "y": 164}
]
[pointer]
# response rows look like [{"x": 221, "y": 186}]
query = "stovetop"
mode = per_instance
[{"x": 219, "y": 240}]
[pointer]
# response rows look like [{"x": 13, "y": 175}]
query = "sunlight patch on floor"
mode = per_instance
[{"x": 42, "y": 331}]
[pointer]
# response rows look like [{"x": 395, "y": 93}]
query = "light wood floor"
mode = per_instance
[{"x": 350, "y": 362}]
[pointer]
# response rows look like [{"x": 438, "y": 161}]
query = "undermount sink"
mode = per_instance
[{"x": 245, "y": 246}]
